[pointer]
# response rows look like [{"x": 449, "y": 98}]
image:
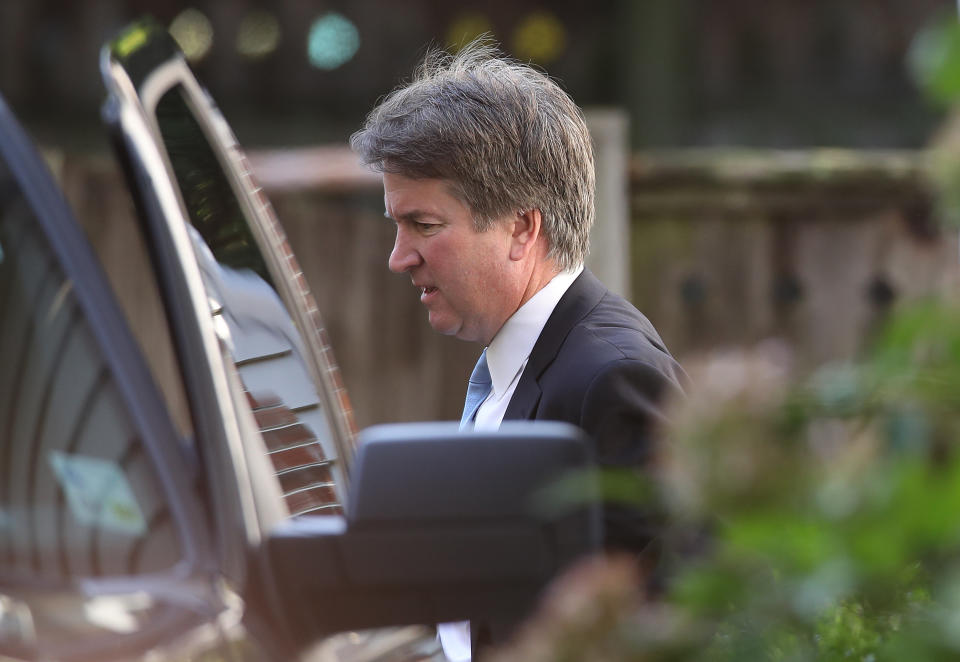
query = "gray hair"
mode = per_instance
[{"x": 504, "y": 135}]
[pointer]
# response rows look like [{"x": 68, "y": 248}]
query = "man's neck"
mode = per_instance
[
  {"x": 542, "y": 273},
  {"x": 532, "y": 293},
  {"x": 536, "y": 271}
]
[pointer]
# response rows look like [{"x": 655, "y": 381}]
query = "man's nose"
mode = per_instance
[{"x": 404, "y": 255}]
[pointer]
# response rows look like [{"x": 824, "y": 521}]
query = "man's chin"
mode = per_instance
[
  {"x": 447, "y": 325},
  {"x": 443, "y": 325}
]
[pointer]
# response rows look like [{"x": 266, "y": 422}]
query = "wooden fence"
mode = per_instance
[
  {"x": 811, "y": 247},
  {"x": 727, "y": 249}
]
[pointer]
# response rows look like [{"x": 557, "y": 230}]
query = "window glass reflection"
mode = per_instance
[
  {"x": 78, "y": 494},
  {"x": 251, "y": 318}
]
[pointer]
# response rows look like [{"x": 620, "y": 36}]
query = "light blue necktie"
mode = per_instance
[{"x": 477, "y": 391}]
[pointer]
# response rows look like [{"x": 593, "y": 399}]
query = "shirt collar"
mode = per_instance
[{"x": 510, "y": 348}]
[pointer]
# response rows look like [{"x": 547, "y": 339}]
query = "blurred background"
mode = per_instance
[
  {"x": 776, "y": 73},
  {"x": 761, "y": 162}
]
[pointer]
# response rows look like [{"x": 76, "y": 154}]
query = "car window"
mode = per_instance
[
  {"x": 251, "y": 318},
  {"x": 79, "y": 496},
  {"x": 96, "y": 192}
]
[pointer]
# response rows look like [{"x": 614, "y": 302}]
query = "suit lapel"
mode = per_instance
[{"x": 579, "y": 299}]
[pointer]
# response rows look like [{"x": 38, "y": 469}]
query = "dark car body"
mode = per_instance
[{"x": 248, "y": 532}]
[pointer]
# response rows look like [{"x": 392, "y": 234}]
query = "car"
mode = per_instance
[{"x": 231, "y": 512}]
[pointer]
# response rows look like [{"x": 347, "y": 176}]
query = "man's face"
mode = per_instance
[{"x": 466, "y": 279}]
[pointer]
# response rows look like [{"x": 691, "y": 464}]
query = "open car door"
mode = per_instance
[
  {"x": 104, "y": 538},
  {"x": 220, "y": 248}
]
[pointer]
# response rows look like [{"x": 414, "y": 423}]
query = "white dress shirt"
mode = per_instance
[{"x": 507, "y": 356}]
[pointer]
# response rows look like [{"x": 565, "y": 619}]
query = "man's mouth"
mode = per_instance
[{"x": 427, "y": 290}]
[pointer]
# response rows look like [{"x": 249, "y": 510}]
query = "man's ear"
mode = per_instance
[{"x": 526, "y": 231}]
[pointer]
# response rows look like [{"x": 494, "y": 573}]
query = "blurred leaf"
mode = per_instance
[
  {"x": 934, "y": 59},
  {"x": 709, "y": 589},
  {"x": 580, "y": 488},
  {"x": 907, "y": 430},
  {"x": 838, "y": 389},
  {"x": 796, "y": 544},
  {"x": 848, "y": 632}
]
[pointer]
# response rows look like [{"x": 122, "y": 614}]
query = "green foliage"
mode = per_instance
[
  {"x": 572, "y": 490},
  {"x": 935, "y": 59},
  {"x": 829, "y": 506},
  {"x": 834, "y": 502}
]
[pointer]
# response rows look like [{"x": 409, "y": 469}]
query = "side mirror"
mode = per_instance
[{"x": 440, "y": 526}]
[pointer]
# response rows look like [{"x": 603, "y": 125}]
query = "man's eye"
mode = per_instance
[{"x": 424, "y": 227}]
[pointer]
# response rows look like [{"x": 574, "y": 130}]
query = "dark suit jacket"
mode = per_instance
[{"x": 601, "y": 365}]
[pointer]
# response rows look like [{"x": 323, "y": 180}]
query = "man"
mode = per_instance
[{"x": 488, "y": 174}]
